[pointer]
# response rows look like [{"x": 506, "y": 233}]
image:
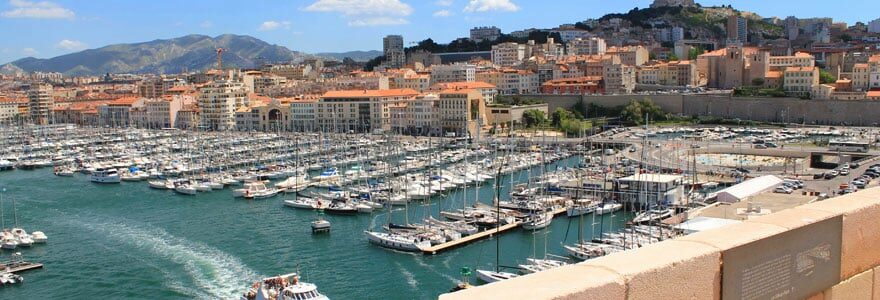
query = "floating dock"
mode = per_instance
[
  {"x": 16, "y": 267},
  {"x": 478, "y": 236},
  {"x": 473, "y": 237}
]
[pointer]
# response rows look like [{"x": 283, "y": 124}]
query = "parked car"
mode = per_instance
[
  {"x": 760, "y": 146},
  {"x": 783, "y": 190},
  {"x": 844, "y": 172}
]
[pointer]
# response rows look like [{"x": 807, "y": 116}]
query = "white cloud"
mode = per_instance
[
  {"x": 37, "y": 10},
  {"x": 71, "y": 45},
  {"x": 29, "y": 51},
  {"x": 272, "y": 25},
  {"x": 442, "y": 13},
  {"x": 366, "y": 12},
  {"x": 443, "y": 2},
  {"x": 207, "y": 24},
  {"x": 490, "y": 5},
  {"x": 377, "y": 21}
]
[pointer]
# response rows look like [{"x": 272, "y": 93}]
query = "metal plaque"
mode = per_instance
[{"x": 794, "y": 264}]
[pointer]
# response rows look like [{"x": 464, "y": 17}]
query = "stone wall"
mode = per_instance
[
  {"x": 788, "y": 110},
  {"x": 690, "y": 267}
]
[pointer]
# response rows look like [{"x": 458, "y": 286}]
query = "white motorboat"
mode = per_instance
[
  {"x": 185, "y": 188},
  {"x": 492, "y": 276},
  {"x": 105, "y": 175},
  {"x": 398, "y": 242},
  {"x": 10, "y": 278},
  {"x": 6, "y": 165},
  {"x": 39, "y": 237},
  {"x": 24, "y": 239},
  {"x": 8, "y": 241},
  {"x": 608, "y": 207},
  {"x": 283, "y": 287},
  {"x": 161, "y": 184},
  {"x": 249, "y": 189},
  {"x": 306, "y": 203}
]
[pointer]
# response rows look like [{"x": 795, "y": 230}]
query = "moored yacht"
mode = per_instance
[{"x": 105, "y": 175}]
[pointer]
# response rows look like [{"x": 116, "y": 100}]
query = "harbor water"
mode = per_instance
[{"x": 127, "y": 241}]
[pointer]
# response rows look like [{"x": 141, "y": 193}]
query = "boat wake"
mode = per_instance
[
  {"x": 410, "y": 278},
  {"x": 214, "y": 274}
]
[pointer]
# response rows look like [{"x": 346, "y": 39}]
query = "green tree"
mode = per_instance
[
  {"x": 758, "y": 81},
  {"x": 533, "y": 117},
  {"x": 673, "y": 57},
  {"x": 825, "y": 77},
  {"x": 559, "y": 116}
]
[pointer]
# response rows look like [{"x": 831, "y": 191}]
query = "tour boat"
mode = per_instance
[
  {"x": 283, "y": 287},
  {"x": 105, "y": 175}
]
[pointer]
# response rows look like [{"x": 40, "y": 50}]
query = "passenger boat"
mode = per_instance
[
  {"x": 283, "y": 287},
  {"x": 105, "y": 175}
]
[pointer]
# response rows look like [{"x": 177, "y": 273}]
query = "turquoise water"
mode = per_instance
[{"x": 128, "y": 241}]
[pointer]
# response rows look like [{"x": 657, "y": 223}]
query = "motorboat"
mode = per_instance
[
  {"x": 8, "y": 241},
  {"x": 283, "y": 287},
  {"x": 105, "y": 175},
  {"x": 6, "y": 165},
  {"x": 9, "y": 278},
  {"x": 161, "y": 184},
  {"x": 249, "y": 188},
  {"x": 39, "y": 237},
  {"x": 320, "y": 225},
  {"x": 185, "y": 188},
  {"x": 306, "y": 203},
  {"x": 24, "y": 239},
  {"x": 607, "y": 208},
  {"x": 341, "y": 208}
]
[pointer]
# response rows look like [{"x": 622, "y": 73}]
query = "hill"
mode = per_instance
[{"x": 191, "y": 52}]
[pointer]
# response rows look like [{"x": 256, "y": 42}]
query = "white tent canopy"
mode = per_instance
[{"x": 748, "y": 188}]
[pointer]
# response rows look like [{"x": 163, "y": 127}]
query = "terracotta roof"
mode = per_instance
[
  {"x": 799, "y": 69},
  {"x": 773, "y": 74},
  {"x": 370, "y": 93},
  {"x": 124, "y": 101},
  {"x": 863, "y": 66},
  {"x": 873, "y": 94},
  {"x": 464, "y": 85}
]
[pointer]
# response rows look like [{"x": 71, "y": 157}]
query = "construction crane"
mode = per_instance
[{"x": 220, "y": 58}]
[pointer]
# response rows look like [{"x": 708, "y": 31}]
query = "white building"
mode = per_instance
[
  {"x": 40, "y": 103},
  {"x": 479, "y": 34},
  {"x": 748, "y": 189},
  {"x": 218, "y": 102},
  {"x": 588, "y": 46},
  {"x": 652, "y": 189},
  {"x": 508, "y": 54},
  {"x": 874, "y": 26},
  {"x": 453, "y": 73}
]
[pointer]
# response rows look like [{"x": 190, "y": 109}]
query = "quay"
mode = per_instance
[
  {"x": 473, "y": 237},
  {"x": 478, "y": 236}
]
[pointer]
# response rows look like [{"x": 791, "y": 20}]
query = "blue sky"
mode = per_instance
[{"x": 54, "y": 27}]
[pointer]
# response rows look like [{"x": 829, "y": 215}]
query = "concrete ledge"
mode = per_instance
[
  {"x": 859, "y": 287},
  {"x": 649, "y": 270},
  {"x": 860, "y": 247},
  {"x": 732, "y": 236},
  {"x": 689, "y": 267},
  {"x": 569, "y": 282}
]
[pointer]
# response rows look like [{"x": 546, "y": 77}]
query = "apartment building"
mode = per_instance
[
  {"x": 40, "y": 103},
  {"x": 799, "y": 59},
  {"x": 619, "y": 79},
  {"x": 453, "y": 73},
  {"x": 117, "y": 113},
  {"x": 573, "y": 86},
  {"x": 302, "y": 113},
  {"x": 799, "y": 81},
  {"x": 588, "y": 46},
  {"x": 359, "y": 110},
  {"x": 630, "y": 55},
  {"x": 485, "y": 33},
  {"x": 218, "y": 103},
  {"x": 392, "y": 46},
  {"x": 508, "y": 54},
  {"x": 511, "y": 81},
  {"x": 488, "y": 91}
]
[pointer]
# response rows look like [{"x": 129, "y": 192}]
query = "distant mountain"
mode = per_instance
[
  {"x": 360, "y": 56},
  {"x": 191, "y": 52}
]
